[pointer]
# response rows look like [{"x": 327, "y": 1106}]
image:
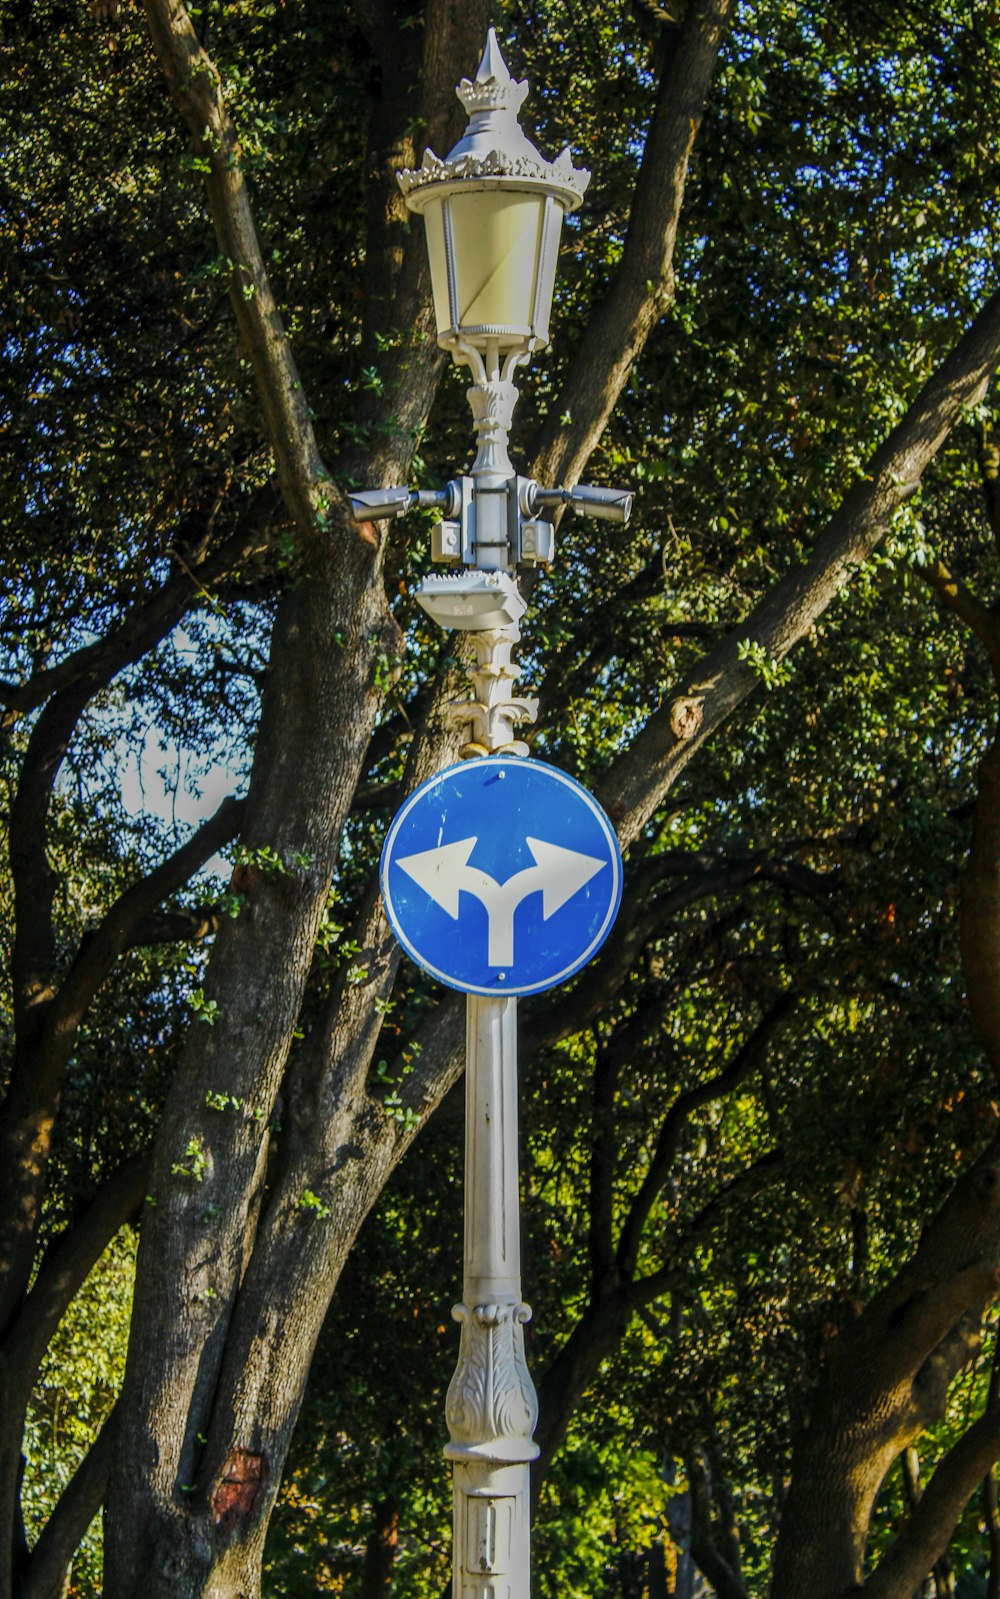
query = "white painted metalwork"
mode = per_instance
[
  {"x": 491, "y": 1408},
  {"x": 493, "y": 213},
  {"x": 493, "y": 209}
]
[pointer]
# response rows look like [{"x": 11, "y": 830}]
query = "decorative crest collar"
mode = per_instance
[
  {"x": 493, "y": 88},
  {"x": 494, "y": 144}
]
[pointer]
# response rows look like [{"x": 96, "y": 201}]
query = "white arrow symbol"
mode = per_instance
[{"x": 444, "y": 873}]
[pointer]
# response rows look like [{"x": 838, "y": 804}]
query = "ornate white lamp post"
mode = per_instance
[{"x": 493, "y": 212}]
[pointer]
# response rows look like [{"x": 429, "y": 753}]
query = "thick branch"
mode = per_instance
[
  {"x": 197, "y": 91},
  {"x": 886, "y": 1378},
  {"x": 641, "y": 778},
  {"x": 744, "y": 1186},
  {"x": 67, "y": 1263},
  {"x": 63, "y": 1271},
  {"x": 612, "y": 1055},
  {"x": 722, "y": 1572},
  {"x": 77, "y": 1506},
  {"x": 380, "y": 26},
  {"x": 186, "y": 926},
  {"x": 604, "y": 1322},
  {"x": 140, "y": 630},
  {"x": 33, "y": 878},
  {"x": 69, "y": 687},
  {"x": 928, "y": 1532},
  {"x": 645, "y": 911},
  {"x": 416, "y": 91},
  {"x": 128, "y": 916},
  {"x": 29, "y": 1112},
  {"x": 980, "y": 909},
  {"x": 964, "y": 604},
  {"x": 643, "y": 287},
  {"x": 735, "y": 1071}
]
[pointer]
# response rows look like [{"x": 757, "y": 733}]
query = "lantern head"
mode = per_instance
[{"x": 493, "y": 212}]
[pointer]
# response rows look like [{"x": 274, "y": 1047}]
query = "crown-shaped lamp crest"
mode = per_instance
[
  {"x": 494, "y": 145},
  {"x": 492, "y": 88}
]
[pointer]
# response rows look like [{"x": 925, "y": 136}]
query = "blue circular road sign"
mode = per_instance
[{"x": 501, "y": 876}]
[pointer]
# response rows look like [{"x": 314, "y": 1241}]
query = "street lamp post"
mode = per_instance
[{"x": 493, "y": 212}]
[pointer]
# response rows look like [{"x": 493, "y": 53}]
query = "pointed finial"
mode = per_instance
[
  {"x": 493, "y": 64},
  {"x": 494, "y": 144},
  {"x": 493, "y": 88}
]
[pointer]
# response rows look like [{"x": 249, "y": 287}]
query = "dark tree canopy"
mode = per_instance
[{"x": 761, "y": 1154}]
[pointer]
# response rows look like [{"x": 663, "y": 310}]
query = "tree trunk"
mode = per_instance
[
  {"x": 991, "y": 1515},
  {"x": 570, "y": 1374},
  {"x": 318, "y": 710},
  {"x": 887, "y": 1378},
  {"x": 380, "y": 1551},
  {"x": 909, "y": 1462},
  {"x": 656, "y": 1573}
]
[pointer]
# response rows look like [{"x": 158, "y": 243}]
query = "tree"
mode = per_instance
[{"x": 774, "y": 313}]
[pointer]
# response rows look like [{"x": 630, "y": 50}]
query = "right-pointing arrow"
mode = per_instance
[{"x": 561, "y": 873}]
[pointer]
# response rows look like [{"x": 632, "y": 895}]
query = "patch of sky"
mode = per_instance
[
  {"x": 161, "y": 779},
  {"x": 165, "y": 757}
]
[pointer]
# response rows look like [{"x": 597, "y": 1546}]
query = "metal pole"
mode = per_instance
[{"x": 491, "y": 1407}]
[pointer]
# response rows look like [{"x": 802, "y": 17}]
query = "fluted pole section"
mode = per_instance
[{"x": 492, "y": 1407}]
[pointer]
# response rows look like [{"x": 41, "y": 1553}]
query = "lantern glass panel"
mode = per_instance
[
  {"x": 497, "y": 247},
  {"x": 433, "y": 213}
]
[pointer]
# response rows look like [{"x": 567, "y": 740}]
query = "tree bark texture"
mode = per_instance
[
  {"x": 220, "y": 1345},
  {"x": 886, "y": 1379},
  {"x": 380, "y": 1551},
  {"x": 980, "y": 910}
]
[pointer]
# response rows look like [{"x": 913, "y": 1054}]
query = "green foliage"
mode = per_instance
[
  {"x": 206, "y": 1010},
  {"x": 195, "y": 1163},
  {"x": 772, "y": 673},
  {"x": 835, "y": 235},
  {"x": 77, "y": 1385}
]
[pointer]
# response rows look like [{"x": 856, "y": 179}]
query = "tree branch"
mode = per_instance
[
  {"x": 605, "y": 1320},
  {"x": 928, "y": 1531},
  {"x": 641, "y": 777},
  {"x": 643, "y": 287},
  {"x": 752, "y": 1180},
  {"x": 979, "y": 918},
  {"x": 29, "y": 1111},
  {"x": 379, "y": 25},
  {"x": 197, "y": 91},
  {"x": 886, "y": 1377},
  {"x": 67, "y": 1263},
  {"x": 140, "y": 630},
  {"x": 721, "y": 1572},
  {"x": 644, "y": 911},
  {"x": 128, "y": 916},
  {"x": 737, "y": 1068},
  {"x": 964, "y": 604},
  {"x": 69, "y": 687},
  {"x": 75, "y": 1509},
  {"x": 185, "y": 926},
  {"x": 417, "y": 90},
  {"x": 612, "y": 1055}
]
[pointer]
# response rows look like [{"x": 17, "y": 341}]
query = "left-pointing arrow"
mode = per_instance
[{"x": 441, "y": 872}]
